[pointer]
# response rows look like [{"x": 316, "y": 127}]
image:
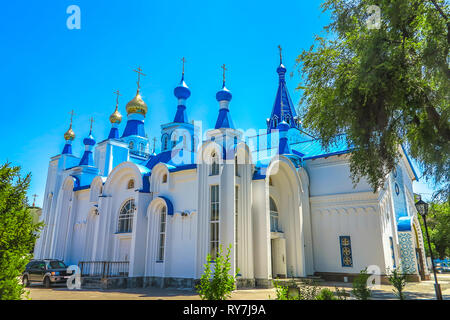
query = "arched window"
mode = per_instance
[
  {"x": 273, "y": 216},
  {"x": 164, "y": 178},
  {"x": 126, "y": 213},
  {"x": 275, "y": 121},
  {"x": 214, "y": 165},
  {"x": 130, "y": 184},
  {"x": 131, "y": 145},
  {"x": 270, "y": 181},
  {"x": 162, "y": 233},
  {"x": 236, "y": 166},
  {"x": 141, "y": 148},
  {"x": 165, "y": 143},
  {"x": 184, "y": 141}
]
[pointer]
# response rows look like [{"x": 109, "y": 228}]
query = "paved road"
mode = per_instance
[{"x": 422, "y": 290}]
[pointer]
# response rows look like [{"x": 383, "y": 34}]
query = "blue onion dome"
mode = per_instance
[
  {"x": 283, "y": 126},
  {"x": 281, "y": 69},
  {"x": 89, "y": 141},
  {"x": 182, "y": 91},
  {"x": 224, "y": 94}
]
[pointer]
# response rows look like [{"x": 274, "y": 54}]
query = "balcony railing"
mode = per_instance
[{"x": 104, "y": 269}]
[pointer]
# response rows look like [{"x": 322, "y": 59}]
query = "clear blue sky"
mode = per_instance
[{"x": 47, "y": 69}]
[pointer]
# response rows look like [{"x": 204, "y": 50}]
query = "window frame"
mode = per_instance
[
  {"x": 125, "y": 220},
  {"x": 214, "y": 220},
  {"x": 162, "y": 234}
]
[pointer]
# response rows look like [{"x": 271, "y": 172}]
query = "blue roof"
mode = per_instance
[
  {"x": 224, "y": 119},
  {"x": 134, "y": 128},
  {"x": 282, "y": 100}
]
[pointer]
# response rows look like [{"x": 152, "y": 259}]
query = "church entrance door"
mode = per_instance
[{"x": 278, "y": 248}]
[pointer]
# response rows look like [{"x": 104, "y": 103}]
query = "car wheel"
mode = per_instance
[
  {"x": 47, "y": 283},
  {"x": 25, "y": 281}
]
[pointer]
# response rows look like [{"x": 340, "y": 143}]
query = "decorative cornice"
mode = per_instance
[{"x": 345, "y": 200}]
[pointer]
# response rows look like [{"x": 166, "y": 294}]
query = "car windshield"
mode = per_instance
[{"x": 56, "y": 265}]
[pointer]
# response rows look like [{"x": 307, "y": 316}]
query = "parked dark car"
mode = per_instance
[{"x": 46, "y": 271}]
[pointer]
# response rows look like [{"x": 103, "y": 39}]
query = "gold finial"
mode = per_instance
[
  {"x": 116, "y": 117},
  {"x": 139, "y": 72},
  {"x": 70, "y": 135},
  {"x": 281, "y": 57},
  {"x": 92, "y": 121},
  {"x": 224, "y": 69}
]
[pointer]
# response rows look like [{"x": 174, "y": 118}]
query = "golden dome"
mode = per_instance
[
  {"x": 69, "y": 135},
  {"x": 116, "y": 117},
  {"x": 137, "y": 105}
]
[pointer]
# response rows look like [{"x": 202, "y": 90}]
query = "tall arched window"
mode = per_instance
[
  {"x": 162, "y": 234},
  {"x": 126, "y": 213},
  {"x": 214, "y": 165},
  {"x": 236, "y": 166},
  {"x": 273, "y": 216}
]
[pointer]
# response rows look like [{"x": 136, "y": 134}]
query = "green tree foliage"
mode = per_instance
[
  {"x": 360, "y": 289},
  {"x": 382, "y": 87},
  {"x": 438, "y": 221},
  {"x": 17, "y": 231},
  {"x": 398, "y": 280},
  {"x": 217, "y": 284}
]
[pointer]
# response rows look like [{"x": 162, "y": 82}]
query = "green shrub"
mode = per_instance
[
  {"x": 360, "y": 289},
  {"x": 398, "y": 280},
  {"x": 217, "y": 284},
  {"x": 17, "y": 231},
  {"x": 326, "y": 294}
]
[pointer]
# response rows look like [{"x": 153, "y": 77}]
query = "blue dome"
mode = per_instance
[
  {"x": 182, "y": 91},
  {"x": 89, "y": 141},
  {"x": 224, "y": 94},
  {"x": 281, "y": 69},
  {"x": 283, "y": 126}
]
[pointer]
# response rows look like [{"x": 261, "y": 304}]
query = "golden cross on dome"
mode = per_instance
[
  {"x": 117, "y": 99},
  {"x": 281, "y": 57},
  {"x": 71, "y": 117},
  {"x": 139, "y": 72},
  {"x": 224, "y": 69}
]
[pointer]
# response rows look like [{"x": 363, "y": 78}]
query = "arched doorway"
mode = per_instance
[
  {"x": 277, "y": 243},
  {"x": 287, "y": 249}
]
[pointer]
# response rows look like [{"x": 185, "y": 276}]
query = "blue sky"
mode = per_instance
[{"x": 48, "y": 70}]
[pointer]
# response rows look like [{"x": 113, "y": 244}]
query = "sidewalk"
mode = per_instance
[{"x": 422, "y": 290}]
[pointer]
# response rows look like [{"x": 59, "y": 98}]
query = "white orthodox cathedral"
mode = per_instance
[{"x": 287, "y": 207}]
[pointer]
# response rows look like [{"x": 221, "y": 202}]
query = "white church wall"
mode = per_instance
[
  {"x": 332, "y": 176},
  {"x": 355, "y": 215},
  {"x": 181, "y": 233}
]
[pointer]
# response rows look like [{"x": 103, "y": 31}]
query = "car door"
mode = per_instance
[
  {"x": 30, "y": 270},
  {"x": 39, "y": 271}
]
